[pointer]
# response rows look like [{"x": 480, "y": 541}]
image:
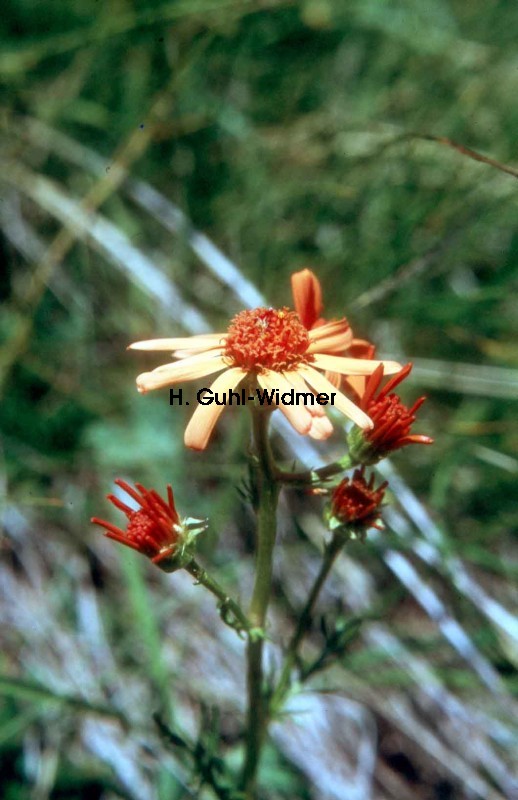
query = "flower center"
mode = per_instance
[
  {"x": 144, "y": 532},
  {"x": 353, "y": 503},
  {"x": 267, "y": 339}
]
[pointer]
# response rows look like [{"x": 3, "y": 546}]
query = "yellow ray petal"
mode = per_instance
[
  {"x": 353, "y": 366},
  {"x": 321, "y": 428},
  {"x": 171, "y": 374},
  {"x": 191, "y": 360},
  {"x": 202, "y": 422},
  {"x": 216, "y": 349},
  {"x": 205, "y": 341},
  {"x": 299, "y": 384},
  {"x": 341, "y": 402},
  {"x": 336, "y": 326},
  {"x": 298, "y": 416},
  {"x": 333, "y": 343}
]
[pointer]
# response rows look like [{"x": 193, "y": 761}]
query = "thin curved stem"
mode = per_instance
[
  {"x": 304, "y": 623},
  {"x": 231, "y": 612},
  {"x": 310, "y": 476}
]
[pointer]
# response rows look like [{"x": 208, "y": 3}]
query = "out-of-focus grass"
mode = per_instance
[{"x": 291, "y": 135}]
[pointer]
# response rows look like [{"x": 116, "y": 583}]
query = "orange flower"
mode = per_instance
[
  {"x": 307, "y": 299},
  {"x": 270, "y": 349}
]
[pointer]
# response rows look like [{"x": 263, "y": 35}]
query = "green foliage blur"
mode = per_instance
[{"x": 292, "y": 134}]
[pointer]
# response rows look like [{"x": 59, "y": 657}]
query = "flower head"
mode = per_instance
[
  {"x": 355, "y": 504},
  {"x": 154, "y": 529},
  {"x": 271, "y": 349},
  {"x": 392, "y": 419}
]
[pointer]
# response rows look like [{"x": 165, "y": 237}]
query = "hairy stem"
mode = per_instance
[
  {"x": 310, "y": 476},
  {"x": 268, "y": 492}
]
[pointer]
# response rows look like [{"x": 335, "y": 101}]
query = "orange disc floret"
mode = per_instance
[{"x": 267, "y": 339}]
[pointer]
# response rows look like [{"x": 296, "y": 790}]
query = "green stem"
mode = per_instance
[
  {"x": 304, "y": 623},
  {"x": 231, "y": 612},
  {"x": 310, "y": 476},
  {"x": 268, "y": 492}
]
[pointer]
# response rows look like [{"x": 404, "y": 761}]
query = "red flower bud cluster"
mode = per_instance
[
  {"x": 153, "y": 529},
  {"x": 392, "y": 419},
  {"x": 355, "y": 503}
]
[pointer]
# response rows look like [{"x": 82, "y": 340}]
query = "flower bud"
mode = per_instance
[
  {"x": 355, "y": 505},
  {"x": 392, "y": 420},
  {"x": 154, "y": 528}
]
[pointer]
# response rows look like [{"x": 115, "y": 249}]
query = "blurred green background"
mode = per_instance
[{"x": 141, "y": 145}]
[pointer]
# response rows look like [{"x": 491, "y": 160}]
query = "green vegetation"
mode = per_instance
[{"x": 344, "y": 136}]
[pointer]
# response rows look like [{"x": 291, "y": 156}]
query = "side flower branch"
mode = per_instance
[{"x": 154, "y": 529}]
